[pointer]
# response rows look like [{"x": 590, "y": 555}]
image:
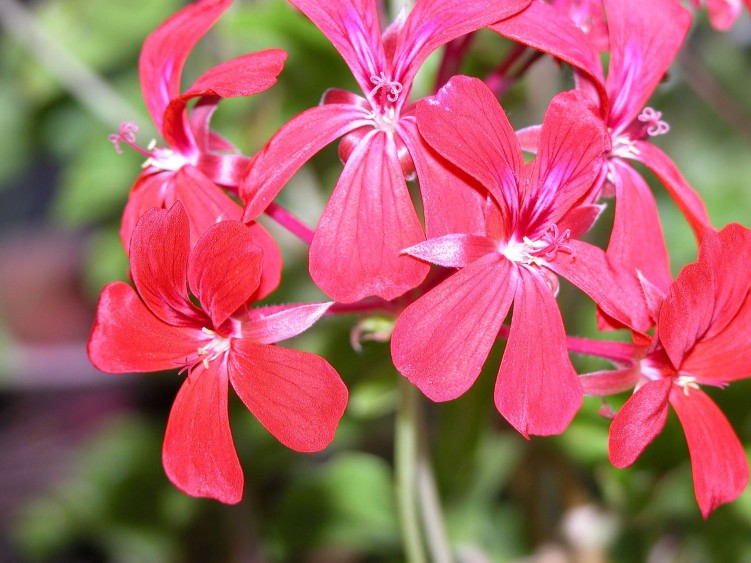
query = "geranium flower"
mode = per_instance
[
  {"x": 643, "y": 44},
  {"x": 532, "y": 219},
  {"x": 703, "y": 337},
  {"x": 297, "y": 396},
  {"x": 370, "y": 217},
  {"x": 190, "y": 168}
]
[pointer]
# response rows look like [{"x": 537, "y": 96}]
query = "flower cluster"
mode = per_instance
[{"x": 495, "y": 232}]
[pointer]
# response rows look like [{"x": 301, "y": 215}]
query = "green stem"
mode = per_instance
[{"x": 405, "y": 460}]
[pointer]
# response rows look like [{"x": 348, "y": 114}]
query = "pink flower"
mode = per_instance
[
  {"x": 370, "y": 217},
  {"x": 296, "y": 395},
  {"x": 703, "y": 337},
  {"x": 528, "y": 220},
  {"x": 191, "y": 167}
]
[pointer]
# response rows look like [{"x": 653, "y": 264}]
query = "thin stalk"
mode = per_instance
[
  {"x": 406, "y": 460},
  {"x": 290, "y": 222},
  {"x": 430, "y": 503}
]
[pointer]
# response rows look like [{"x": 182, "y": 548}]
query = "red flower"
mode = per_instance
[
  {"x": 527, "y": 230},
  {"x": 703, "y": 337},
  {"x": 722, "y": 13},
  {"x": 297, "y": 396},
  {"x": 370, "y": 217},
  {"x": 643, "y": 44},
  {"x": 191, "y": 167}
]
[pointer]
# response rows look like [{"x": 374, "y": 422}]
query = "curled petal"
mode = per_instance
[
  {"x": 224, "y": 269},
  {"x": 453, "y": 251},
  {"x": 268, "y": 325},
  {"x": 159, "y": 253},
  {"x": 297, "y": 396},
  {"x": 199, "y": 455}
]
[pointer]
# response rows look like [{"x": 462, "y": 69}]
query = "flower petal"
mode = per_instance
[
  {"x": 718, "y": 460},
  {"x": 725, "y": 356},
  {"x": 643, "y": 44},
  {"x": 432, "y": 24},
  {"x": 687, "y": 200},
  {"x": 573, "y": 143},
  {"x": 610, "y": 382},
  {"x": 537, "y": 389},
  {"x": 297, "y": 396},
  {"x": 453, "y": 251},
  {"x": 224, "y": 269},
  {"x": 271, "y": 271},
  {"x": 147, "y": 192},
  {"x": 465, "y": 124},
  {"x": 166, "y": 49},
  {"x": 616, "y": 291},
  {"x": 352, "y": 27},
  {"x": 453, "y": 202},
  {"x": 127, "y": 337},
  {"x": 291, "y": 147},
  {"x": 268, "y": 325},
  {"x": 159, "y": 253},
  {"x": 637, "y": 242},
  {"x": 547, "y": 29},
  {"x": 441, "y": 341},
  {"x": 686, "y": 313},
  {"x": 368, "y": 221},
  {"x": 640, "y": 420},
  {"x": 199, "y": 455},
  {"x": 242, "y": 76}
]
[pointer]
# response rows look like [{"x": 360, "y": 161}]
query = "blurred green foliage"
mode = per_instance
[{"x": 504, "y": 497}]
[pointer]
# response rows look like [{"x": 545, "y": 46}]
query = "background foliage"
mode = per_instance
[{"x": 80, "y": 473}]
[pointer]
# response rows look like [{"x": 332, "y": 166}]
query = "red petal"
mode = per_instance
[
  {"x": 686, "y": 312},
  {"x": 367, "y": 222},
  {"x": 718, "y": 460},
  {"x": 610, "y": 382},
  {"x": 615, "y": 291},
  {"x": 547, "y": 29},
  {"x": 291, "y": 147},
  {"x": 687, "y": 200},
  {"x": 453, "y": 251},
  {"x": 640, "y": 420},
  {"x": 723, "y": 13},
  {"x": 268, "y": 325},
  {"x": 465, "y": 123},
  {"x": 224, "y": 269},
  {"x": 164, "y": 53},
  {"x": 271, "y": 273},
  {"x": 148, "y": 192},
  {"x": 537, "y": 389},
  {"x": 159, "y": 265},
  {"x": 297, "y": 396},
  {"x": 243, "y": 76},
  {"x": 573, "y": 142},
  {"x": 199, "y": 455},
  {"x": 441, "y": 341},
  {"x": 432, "y": 24},
  {"x": 352, "y": 27},
  {"x": 453, "y": 202},
  {"x": 204, "y": 202},
  {"x": 127, "y": 337},
  {"x": 643, "y": 43},
  {"x": 726, "y": 356},
  {"x": 637, "y": 242},
  {"x": 726, "y": 256}
]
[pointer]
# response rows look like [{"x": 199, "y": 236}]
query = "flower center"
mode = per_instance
[
  {"x": 544, "y": 248},
  {"x": 160, "y": 158},
  {"x": 386, "y": 88},
  {"x": 216, "y": 347}
]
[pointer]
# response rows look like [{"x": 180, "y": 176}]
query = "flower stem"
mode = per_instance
[
  {"x": 406, "y": 459},
  {"x": 290, "y": 222}
]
